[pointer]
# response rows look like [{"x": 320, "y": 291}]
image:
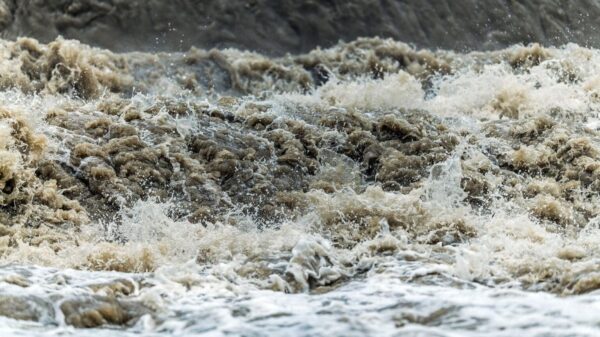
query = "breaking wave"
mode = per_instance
[{"x": 139, "y": 188}]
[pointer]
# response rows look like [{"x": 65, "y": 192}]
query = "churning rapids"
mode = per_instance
[{"x": 369, "y": 189}]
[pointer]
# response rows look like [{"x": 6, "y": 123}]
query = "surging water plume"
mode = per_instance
[{"x": 204, "y": 176}]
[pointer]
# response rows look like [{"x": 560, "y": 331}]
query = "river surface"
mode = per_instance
[{"x": 367, "y": 189}]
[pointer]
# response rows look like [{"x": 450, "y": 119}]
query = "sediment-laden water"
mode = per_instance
[{"x": 369, "y": 189}]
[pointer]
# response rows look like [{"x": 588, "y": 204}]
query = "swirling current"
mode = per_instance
[{"x": 370, "y": 188}]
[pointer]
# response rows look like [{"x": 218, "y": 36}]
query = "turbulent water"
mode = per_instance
[
  {"x": 369, "y": 189},
  {"x": 279, "y": 26}
]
